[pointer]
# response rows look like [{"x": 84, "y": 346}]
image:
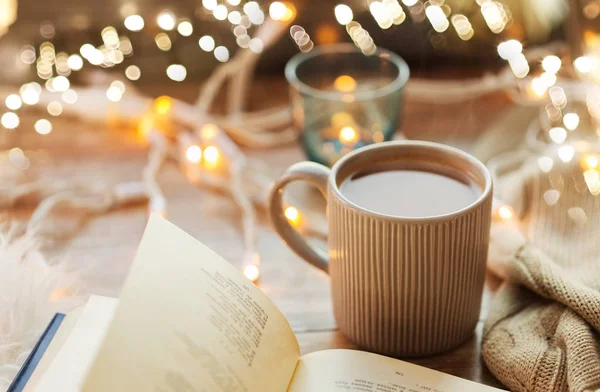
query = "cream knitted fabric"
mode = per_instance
[{"x": 542, "y": 333}]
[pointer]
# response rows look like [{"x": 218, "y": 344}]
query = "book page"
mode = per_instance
[
  {"x": 188, "y": 321},
  {"x": 359, "y": 371},
  {"x": 68, "y": 369}
]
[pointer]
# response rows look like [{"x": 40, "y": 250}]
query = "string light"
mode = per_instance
[
  {"x": 539, "y": 87},
  {"x": 43, "y": 126},
  {"x": 30, "y": 94},
  {"x": 185, "y": 28},
  {"x": 592, "y": 180},
  {"x": 301, "y": 38},
  {"x": 75, "y": 62},
  {"x": 163, "y": 42},
  {"x": 257, "y": 17},
  {"x": 395, "y": 10},
  {"x": 551, "y": 197},
  {"x": 13, "y": 102},
  {"x": 211, "y": 155},
  {"x": 558, "y": 97},
  {"x": 221, "y": 53},
  {"x": 61, "y": 83},
  {"x": 348, "y": 135},
  {"x": 292, "y": 215},
  {"x": 410, "y": 3},
  {"x": 545, "y": 164},
  {"x": 506, "y": 213},
  {"x": 234, "y": 17},
  {"x": 166, "y": 20},
  {"x": 437, "y": 18},
  {"x": 256, "y": 45},
  {"x": 252, "y": 272},
  {"x": 589, "y": 161},
  {"x": 494, "y": 16},
  {"x": 380, "y": 14},
  {"x": 28, "y": 54},
  {"x": 86, "y": 50},
  {"x": 193, "y": 154},
  {"x": 69, "y": 96},
  {"x": 566, "y": 153},
  {"x": 571, "y": 121},
  {"x": 95, "y": 57},
  {"x": 162, "y": 105},
  {"x": 558, "y": 135},
  {"x": 207, "y": 43},
  {"x": 54, "y": 108},
  {"x": 549, "y": 79},
  {"x": 250, "y": 7},
  {"x": 133, "y": 72},
  {"x": 220, "y": 12},
  {"x": 234, "y": 2},
  {"x": 209, "y": 5},
  {"x": 551, "y": 64},
  {"x": 277, "y": 10},
  {"x": 114, "y": 94},
  {"x": 583, "y": 64},
  {"x": 345, "y": 83},
  {"x": 463, "y": 27},
  {"x": 9, "y": 120},
  {"x": 134, "y": 23},
  {"x": 208, "y": 132},
  {"x": 510, "y": 49},
  {"x": 343, "y": 14},
  {"x": 176, "y": 72}
]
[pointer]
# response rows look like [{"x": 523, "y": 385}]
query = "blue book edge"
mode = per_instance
[{"x": 36, "y": 354}]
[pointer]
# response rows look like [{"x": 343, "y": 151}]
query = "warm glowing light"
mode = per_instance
[
  {"x": 494, "y": 16},
  {"x": 380, "y": 14},
  {"x": 343, "y": 14},
  {"x": 60, "y": 83},
  {"x": 437, "y": 18},
  {"x": 54, "y": 108},
  {"x": 395, "y": 10},
  {"x": 252, "y": 272},
  {"x": 577, "y": 213},
  {"x": 509, "y": 49},
  {"x": 519, "y": 65},
  {"x": 410, "y": 3},
  {"x": 163, "y": 41},
  {"x": 558, "y": 97},
  {"x": 114, "y": 94},
  {"x": 75, "y": 62},
  {"x": 176, "y": 72},
  {"x": 277, "y": 10},
  {"x": 348, "y": 135},
  {"x": 538, "y": 87},
  {"x": 194, "y": 154},
  {"x": 566, "y": 153},
  {"x": 207, "y": 43},
  {"x": 145, "y": 127},
  {"x": 558, "y": 135},
  {"x": 234, "y": 2},
  {"x": 549, "y": 79},
  {"x": 133, "y": 72},
  {"x": 545, "y": 164},
  {"x": 208, "y": 132},
  {"x": 551, "y": 64},
  {"x": 95, "y": 57},
  {"x": 69, "y": 96},
  {"x": 9, "y": 120},
  {"x": 211, "y": 155},
  {"x": 506, "y": 213},
  {"x": 13, "y": 102},
  {"x": 234, "y": 17},
  {"x": 257, "y": 17},
  {"x": 209, "y": 4},
  {"x": 251, "y": 7},
  {"x": 134, "y": 23},
  {"x": 220, "y": 12},
  {"x": 256, "y": 45},
  {"x": 463, "y": 27},
  {"x": 583, "y": 64},
  {"x": 166, "y": 20},
  {"x": 185, "y": 28},
  {"x": 345, "y": 83},
  {"x": 221, "y": 53},
  {"x": 163, "y": 105},
  {"x": 592, "y": 180},
  {"x": 571, "y": 121},
  {"x": 290, "y": 12},
  {"x": 43, "y": 126},
  {"x": 30, "y": 95},
  {"x": 589, "y": 161},
  {"x": 551, "y": 196},
  {"x": 292, "y": 215}
]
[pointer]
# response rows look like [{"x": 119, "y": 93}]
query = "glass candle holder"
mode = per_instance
[{"x": 343, "y": 100}]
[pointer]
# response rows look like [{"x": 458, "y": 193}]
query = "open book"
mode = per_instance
[{"x": 188, "y": 321}]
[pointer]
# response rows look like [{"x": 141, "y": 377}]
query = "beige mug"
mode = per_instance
[{"x": 400, "y": 286}]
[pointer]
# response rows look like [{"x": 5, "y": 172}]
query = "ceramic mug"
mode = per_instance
[{"x": 401, "y": 286}]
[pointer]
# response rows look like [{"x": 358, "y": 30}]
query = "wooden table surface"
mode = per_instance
[{"x": 103, "y": 248}]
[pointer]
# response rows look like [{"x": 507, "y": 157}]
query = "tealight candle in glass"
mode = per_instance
[{"x": 343, "y": 100}]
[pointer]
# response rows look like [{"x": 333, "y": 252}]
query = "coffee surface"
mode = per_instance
[{"x": 409, "y": 193}]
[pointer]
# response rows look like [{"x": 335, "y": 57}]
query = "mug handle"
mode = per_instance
[{"x": 314, "y": 174}]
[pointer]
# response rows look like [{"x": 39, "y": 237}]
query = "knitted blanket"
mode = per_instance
[{"x": 542, "y": 333}]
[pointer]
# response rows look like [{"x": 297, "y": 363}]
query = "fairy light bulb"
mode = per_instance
[
  {"x": 75, "y": 62},
  {"x": 211, "y": 155},
  {"x": 345, "y": 83},
  {"x": 185, "y": 28},
  {"x": 163, "y": 105},
  {"x": 166, "y": 20},
  {"x": 545, "y": 164},
  {"x": 566, "y": 153},
  {"x": 558, "y": 135},
  {"x": 539, "y": 87},
  {"x": 583, "y": 64},
  {"x": 13, "y": 102},
  {"x": 194, "y": 154},
  {"x": 506, "y": 213},
  {"x": 343, "y": 14},
  {"x": 551, "y": 64},
  {"x": 208, "y": 132},
  {"x": 277, "y": 10},
  {"x": 134, "y": 23},
  {"x": 252, "y": 272},
  {"x": 589, "y": 161},
  {"x": 348, "y": 135},
  {"x": 292, "y": 215},
  {"x": 571, "y": 121},
  {"x": 43, "y": 126},
  {"x": 9, "y": 120},
  {"x": 207, "y": 43}
]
